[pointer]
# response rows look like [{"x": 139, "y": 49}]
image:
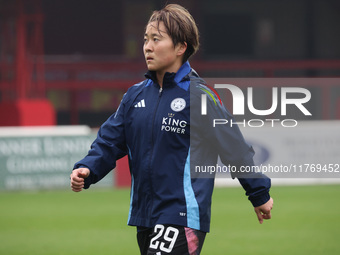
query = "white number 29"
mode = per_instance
[{"x": 159, "y": 229}]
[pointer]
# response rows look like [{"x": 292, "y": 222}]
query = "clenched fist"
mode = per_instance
[{"x": 77, "y": 178}]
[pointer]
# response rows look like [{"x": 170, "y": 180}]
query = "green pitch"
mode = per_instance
[{"x": 306, "y": 220}]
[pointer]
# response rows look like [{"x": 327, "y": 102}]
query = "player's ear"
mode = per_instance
[{"x": 181, "y": 48}]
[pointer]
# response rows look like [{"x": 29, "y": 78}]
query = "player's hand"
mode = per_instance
[
  {"x": 263, "y": 212},
  {"x": 77, "y": 178}
]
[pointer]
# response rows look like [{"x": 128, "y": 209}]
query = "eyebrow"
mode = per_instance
[{"x": 153, "y": 34}]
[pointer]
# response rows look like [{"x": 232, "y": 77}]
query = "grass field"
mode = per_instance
[{"x": 306, "y": 220}]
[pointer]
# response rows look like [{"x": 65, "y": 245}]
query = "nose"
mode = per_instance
[{"x": 148, "y": 46}]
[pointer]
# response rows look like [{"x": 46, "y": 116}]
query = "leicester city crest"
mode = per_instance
[{"x": 178, "y": 104}]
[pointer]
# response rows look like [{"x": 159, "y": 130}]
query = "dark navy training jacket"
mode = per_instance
[{"x": 164, "y": 135}]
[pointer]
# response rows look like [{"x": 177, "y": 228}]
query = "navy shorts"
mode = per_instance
[{"x": 170, "y": 239}]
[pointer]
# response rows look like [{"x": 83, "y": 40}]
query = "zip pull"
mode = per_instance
[{"x": 160, "y": 91}]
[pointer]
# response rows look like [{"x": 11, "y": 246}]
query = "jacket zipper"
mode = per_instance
[
  {"x": 153, "y": 122},
  {"x": 153, "y": 144}
]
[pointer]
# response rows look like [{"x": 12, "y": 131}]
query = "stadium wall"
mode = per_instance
[{"x": 33, "y": 158}]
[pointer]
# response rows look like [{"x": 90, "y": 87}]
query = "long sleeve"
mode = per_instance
[
  {"x": 227, "y": 140},
  {"x": 108, "y": 147}
]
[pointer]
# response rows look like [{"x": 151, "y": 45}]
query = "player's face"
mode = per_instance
[{"x": 159, "y": 51}]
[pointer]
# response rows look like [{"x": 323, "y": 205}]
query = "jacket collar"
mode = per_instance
[{"x": 171, "y": 78}]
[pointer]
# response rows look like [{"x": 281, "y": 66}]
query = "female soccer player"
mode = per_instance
[{"x": 159, "y": 126}]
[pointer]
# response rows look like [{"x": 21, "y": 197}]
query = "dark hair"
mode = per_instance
[{"x": 180, "y": 26}]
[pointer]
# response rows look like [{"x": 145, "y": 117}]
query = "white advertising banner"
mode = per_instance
[
  {"x": 42, "y": 157},
  {"x": 306, "y": 153}
]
